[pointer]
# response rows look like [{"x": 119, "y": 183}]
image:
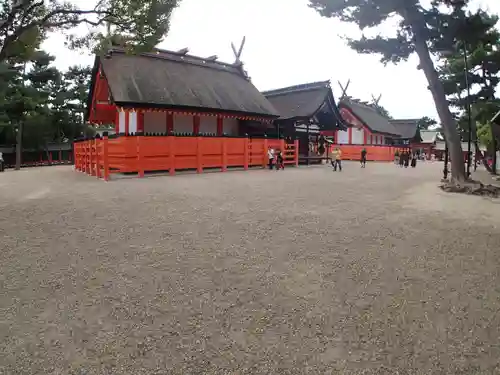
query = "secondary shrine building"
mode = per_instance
[
  {"x": 306, "y": 111},
  {"x": 369, "y": 127},
  {"x": 175, "y": 93}
]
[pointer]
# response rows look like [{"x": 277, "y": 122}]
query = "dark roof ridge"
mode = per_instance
[
  {"x": 358, "y": 102},
  {"x": 298, "y": 88},
  {"x": 188, "y": 59},
  {"x": 404, "y": 119}
]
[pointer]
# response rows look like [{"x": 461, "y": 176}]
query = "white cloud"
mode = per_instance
[{"x": 287, "y": 44}]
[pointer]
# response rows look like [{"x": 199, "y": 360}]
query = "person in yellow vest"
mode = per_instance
[{"x": 337, "y": 159}]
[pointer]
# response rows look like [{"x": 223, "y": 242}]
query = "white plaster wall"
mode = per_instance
[
  {"x": 382, "y": 140},
  {"x": 208, "y": 124},
  {"x": 230, "y": 126},
  {"x": 357, "y": 136},
  {"x": 155, "y": 122},
  {"x": 132, "y": 122},
  {"x": 342, "y": 137},
  {"x": 183, "y": 123},
  {"x": 121, "y": 122}
]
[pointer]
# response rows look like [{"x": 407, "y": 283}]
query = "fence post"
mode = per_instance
[
  {"x": 224, "y": 155},
  {"x": 296, "y": 150},
  {"x": 85, "y": 156},
  {"x": 245, "y": 154},
  {"x": 264, "y": 154},
  {"x": 98, "y": 157},
  {"x": 199, "y": 155},
  {"x": 105, "y": 157},
  {"x": 171, "y": 153},
  {"x": 140, "y": 164},
  {"x": 91, "y": 158}
]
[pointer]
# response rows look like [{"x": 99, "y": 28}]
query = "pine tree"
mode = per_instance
[{"x": 423, "y": 30}]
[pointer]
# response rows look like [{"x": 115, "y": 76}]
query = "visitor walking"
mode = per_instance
[
  {"x": 270, "y": 156},
  {"x": 402, "y": 159},
  {"x": 363, "y": 158},
  {"x": 414, "y": 161},
  {"x": 280, "y": 164},
  {"x": 337, "y": 159},
  {"x": 396, "y": 157},
  {"x": 406, "y": 161},
  {"x": 1, "y": 161}
]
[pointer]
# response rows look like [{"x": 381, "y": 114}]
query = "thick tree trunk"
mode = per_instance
[
  {"x": 19, "y": 146},
  {"x": 449, "y": 125}
]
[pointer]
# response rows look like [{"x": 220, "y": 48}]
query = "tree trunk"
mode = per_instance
[
  {"x": 19, "y": 146},
  {"x": 415, "y": 19}
]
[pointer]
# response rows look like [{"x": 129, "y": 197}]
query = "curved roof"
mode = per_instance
[
  {"x": 302, "y": 102},
  {"x": 370, "y": 117},
  {"x": 408, "y": 129},
  {"x": 429, "y": 136}
]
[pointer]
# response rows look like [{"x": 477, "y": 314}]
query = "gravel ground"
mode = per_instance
[{"x": 304, "y": 271}]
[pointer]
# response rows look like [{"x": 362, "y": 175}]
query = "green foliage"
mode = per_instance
[
  {"x": 484, "y": 134},
  {"x": 425, "y": 123},
  {"x": 48, "y": 103},
  {"x": 24, "y": 23},
  {"x": 417, "y": 26},
  {"x": 482, "y": 49}
]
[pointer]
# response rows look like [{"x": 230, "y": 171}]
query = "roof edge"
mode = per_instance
[
  {"x": 194, "y": 109},
  {"x": 298, "y": 88},
  {"x": 162, "y": 54}
]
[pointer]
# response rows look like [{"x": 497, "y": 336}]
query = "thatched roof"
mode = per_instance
[
  {"x": 166, "y": 79},
  {"x": 429, "y": 136},
  {"x": 303, "y": 102},
  {"x": 370, "y": 117},
  {"x": 407, "y": 128}
]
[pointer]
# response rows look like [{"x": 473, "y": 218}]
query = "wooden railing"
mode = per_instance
[
  {"x": 141, "y": 154},
  {"x": 373, "y": 153}
]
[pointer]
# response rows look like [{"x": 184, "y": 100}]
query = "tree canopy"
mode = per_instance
[
  {"x": 429, "y": 30},
  {"x": 24, "y": 23},
  {"x": 48, "y": 102}
]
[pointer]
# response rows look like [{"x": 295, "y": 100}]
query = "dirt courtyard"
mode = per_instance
[{"x": 304, "y": 271}]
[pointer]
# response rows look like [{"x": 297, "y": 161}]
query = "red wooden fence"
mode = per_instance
[
  {"x": 373, "y": 153},
  {"x": 141, "y": 154}
]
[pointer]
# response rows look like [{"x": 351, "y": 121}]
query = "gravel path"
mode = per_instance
[{"x": 259, "y": 272}]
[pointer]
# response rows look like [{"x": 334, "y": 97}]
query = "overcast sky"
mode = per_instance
[{"x": 287, "y": 44}]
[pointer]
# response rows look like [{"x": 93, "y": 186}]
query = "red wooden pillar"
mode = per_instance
[
  {"x": 220, "y": 126},
  {"x": 98, "y": 157},
  {"x": 199, "y": 155},
  {"x": 127, "y": 121},
  {"x": 296, "y": 149},
  {"x": 105, "y": 161},
  {"x": 140, "y": 121},
  {"x": 365, "y": 136},
  {"x": 140, "y": 165},
  {"x": 117, "y": 121},
  {"x": 224, "y": 154},
  {"x": 245, "y": 154},
  {"x": 196, "y": 124},
  {"x": 171, "y": 153},
  {"x": 265, "y": 160},
  {"x": 349, "y": 135},
  {"x": 170, "y": 122}
]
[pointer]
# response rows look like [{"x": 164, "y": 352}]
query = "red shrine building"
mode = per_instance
[
  {"x": 369, "y": 127},
  {"x": 175, "y": 93}
]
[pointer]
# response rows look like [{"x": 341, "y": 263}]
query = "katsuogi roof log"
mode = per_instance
[{"x": 165, "y": 79}]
